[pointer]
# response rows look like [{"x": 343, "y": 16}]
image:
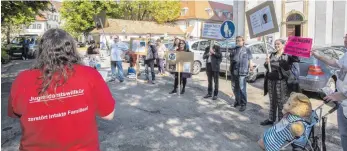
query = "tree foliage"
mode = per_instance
[
  {"x": 14, "y": 14},
  {"x": 78, "y": 15}
]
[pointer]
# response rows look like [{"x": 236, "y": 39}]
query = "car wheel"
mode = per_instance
[
  {"x": 196, "y": 67},
  {"x": 331, "y": 84}
]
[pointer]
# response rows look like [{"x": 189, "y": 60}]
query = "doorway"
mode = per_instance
[{"x": 294, "y": 30}]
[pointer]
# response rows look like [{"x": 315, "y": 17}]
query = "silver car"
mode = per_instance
[
  {"x": 259, "y": 55},
  {"x": 315, "y": 75}
]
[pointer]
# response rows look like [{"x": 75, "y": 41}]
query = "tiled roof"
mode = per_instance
[
  {"x": 39, "y": 18},
  {"x": 118, "y": 26},
  {"x": 199, "y": 10}
]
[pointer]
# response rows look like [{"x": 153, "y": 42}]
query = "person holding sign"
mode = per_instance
[
  {"x": 183, "y": 76},
  {"x": 214, "y": 58},
  {"x": 276, "y": 81},
  {"x": 341, "y": 94},
  {"x": 240, "y": 65}
]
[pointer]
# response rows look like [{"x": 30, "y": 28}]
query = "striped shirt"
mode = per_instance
[{"x": 279, "y": 134}]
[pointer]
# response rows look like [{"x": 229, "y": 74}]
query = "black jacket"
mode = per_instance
[{"x": 216, "y": 58}]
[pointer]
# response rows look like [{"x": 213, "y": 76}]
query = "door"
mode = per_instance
[{"x": 198, "y": 55}]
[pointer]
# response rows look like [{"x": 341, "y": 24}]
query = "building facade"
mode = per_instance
[
  {"x": 324, "y": 21},
  {"x": 50, "y": 19},
  {"x": 195, "y": 13}
]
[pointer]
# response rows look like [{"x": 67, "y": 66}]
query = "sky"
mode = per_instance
[{"x": 229, "y": 2}]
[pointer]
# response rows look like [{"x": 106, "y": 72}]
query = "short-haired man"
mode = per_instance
[
  {"x": 117, "y": 50},
  {"x": 214, "y": 58},
  {"x": 341, "y": 94},
  {"x": 240, "y": 65}
]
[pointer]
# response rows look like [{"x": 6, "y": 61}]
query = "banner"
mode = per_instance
[
  {"x": 298, "y": 46},
  {"x": 139, "y": 45},
  {"x": 184, "y": 60}
]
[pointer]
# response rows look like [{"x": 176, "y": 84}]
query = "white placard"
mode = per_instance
[
  {"x": 261, "y": 20},
  {"x": 211, "y": 31}
]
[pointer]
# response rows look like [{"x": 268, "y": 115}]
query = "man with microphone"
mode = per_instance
[{"x": 214, "y": 58}]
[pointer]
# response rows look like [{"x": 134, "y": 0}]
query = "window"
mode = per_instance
[
  {"x": 34, "y": 26},
  {"x": 195, "y": 46},
  {"x": 184, "y": 11},
  {"x": 209, "y": 11},
  {"x": 38, "y": 26},
  {"x": 55, "y": 18},
  {"x": 203, "y": 45},
  {"x": 294, "y": 17}
]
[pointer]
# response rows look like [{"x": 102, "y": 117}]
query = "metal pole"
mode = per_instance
[
  {"x": 226, "y": 64},
  {"x": 267, "y": 53},
  {"x": 179, "y": 80}
]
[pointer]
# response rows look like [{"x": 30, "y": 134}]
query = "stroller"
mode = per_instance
[{"x": 310, "y": 140}]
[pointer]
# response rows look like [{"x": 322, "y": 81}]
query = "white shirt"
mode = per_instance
[
  {"x": 117, "y": 50},
  {"x": 341, "y": 83}
]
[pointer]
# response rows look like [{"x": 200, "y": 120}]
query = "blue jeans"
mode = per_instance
[
  {"x": 342, "y": 124},
  {"x": 238, "y": 85},
  {"x": 114, "y": 65}
]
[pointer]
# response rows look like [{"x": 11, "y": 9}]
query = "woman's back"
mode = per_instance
[
  {"x": 58, "y": 99},
  {"x": 63, "y": 119}
]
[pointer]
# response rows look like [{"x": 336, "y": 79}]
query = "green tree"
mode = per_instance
[
  {"x": 14, "y": 14},
  {"x": 78, "y": 15}
]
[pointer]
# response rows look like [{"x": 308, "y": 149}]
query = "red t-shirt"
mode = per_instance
[{"x": 63, "y": 119}]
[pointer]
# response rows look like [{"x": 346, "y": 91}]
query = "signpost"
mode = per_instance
[
  {"x": 262, "y": 21},
  {"x": 227, "y": 30}
]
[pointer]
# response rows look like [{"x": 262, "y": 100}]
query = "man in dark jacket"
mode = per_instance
[
  {"x": 240, "y": 64},
  {"x": 152, "y": 55},
  {"x": 214, "y": 58}
]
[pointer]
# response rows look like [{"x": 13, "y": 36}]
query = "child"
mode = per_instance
[{"x": 131, "y": 71}]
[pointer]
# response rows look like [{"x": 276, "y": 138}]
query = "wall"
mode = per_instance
[
  {"x": 295, "y": 5},
  {"x": 320, "y": 22},
  {"x": 329, "y": 22},
  {"x": 36, "y": 31},
  {"x": 338, "y": 23},
  {"x": 311, "y": 19}
]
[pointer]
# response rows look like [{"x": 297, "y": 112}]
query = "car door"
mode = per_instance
[{"x": 259, "y": 55}]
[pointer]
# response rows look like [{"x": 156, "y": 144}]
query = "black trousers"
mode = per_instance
[
  {"x": 183, "y": 81},
  {"x": 25, "y": 52},
  {"x": 212, "y": 75},
  {"x": 150, "y": 63}
]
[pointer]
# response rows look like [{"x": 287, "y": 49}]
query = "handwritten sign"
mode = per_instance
[
  {"x": 211, "y": 31},
  {"x": 298, "y": 46}
]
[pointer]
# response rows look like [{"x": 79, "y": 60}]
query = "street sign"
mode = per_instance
[
  {"x": 227, "y": 29},
  {"x": 211, "y": 31}
]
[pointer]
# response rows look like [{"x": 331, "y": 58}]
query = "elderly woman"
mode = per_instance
[
  {"x": 276, "y": 81},
  {"x": 183, "y": 76},
  {"x": 161, "y": 54}
]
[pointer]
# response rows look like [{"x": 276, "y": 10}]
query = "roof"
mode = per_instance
[
  {"x": 119, "y": 26},
  {"x": 57, "y": 5},
  {"x": 199, "y": 10},
  {"x": 40, "y": 18}
]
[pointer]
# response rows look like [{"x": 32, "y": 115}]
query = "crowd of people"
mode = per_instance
[{"x": 58, "y": 99}]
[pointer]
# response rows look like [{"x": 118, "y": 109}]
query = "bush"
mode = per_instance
[{"x": 5, "y": 58}]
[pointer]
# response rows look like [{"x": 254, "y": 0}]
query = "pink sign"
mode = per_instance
[{"x": 298, "y": 46}]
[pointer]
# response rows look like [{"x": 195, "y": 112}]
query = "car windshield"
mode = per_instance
[{"x": 18, "y": 40}]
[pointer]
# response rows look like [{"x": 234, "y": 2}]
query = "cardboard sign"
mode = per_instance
[
  {"x": 139, "y": 46},
  {"x": 262, "y": 20},
  {"x": 211, "y": 31},
  {"x": 298, "y": 46},
  {"x": 180, "y": 61}
]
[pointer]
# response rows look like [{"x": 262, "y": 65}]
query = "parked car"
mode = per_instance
[
  {"x": 315, "y": 75},
  {"x": 80, "y": 44},
  {"x": 15, "y": 48},
  {"x": 259, "y": 55}
]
